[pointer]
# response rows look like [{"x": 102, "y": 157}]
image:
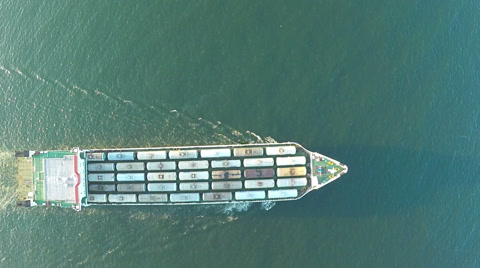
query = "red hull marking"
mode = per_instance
[{"x": 75, "y": 163}]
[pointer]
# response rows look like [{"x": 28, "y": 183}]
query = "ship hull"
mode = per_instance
[{"x": 217, "y": 174}]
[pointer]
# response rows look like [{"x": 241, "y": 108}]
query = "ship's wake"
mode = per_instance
[
  {"x": 7, "y": 180},
  {"x": 239, "y": 208},
  {"x": 233, "y": 209},
  {"x": 142, "y": 122},
  {"x": 135, "y": 123}
]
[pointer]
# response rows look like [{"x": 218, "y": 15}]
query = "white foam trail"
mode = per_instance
[
  {"x": 267, "y": 205},
  {"x": 19, "y": 72},
  {"x": 60, "y": 83},
  {"x": 231, "y": 209},
  {"x": 101, "y": 93},
  {"x": 81, "y": 89},
  {"x": 259, "y": 139},
  {"x": 270, "y": 140},
  {"x": 5, "y": 70},
  {"x": 39, "y": 78}
]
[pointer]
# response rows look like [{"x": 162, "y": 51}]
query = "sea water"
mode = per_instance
[{"x": 389, "y": 88}]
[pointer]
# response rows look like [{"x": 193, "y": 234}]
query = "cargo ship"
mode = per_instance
[{"x": 215, "y": 174}]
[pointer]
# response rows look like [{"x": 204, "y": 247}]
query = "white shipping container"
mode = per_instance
[
  {"x": 249, "y": 195},
  {"x": 101, "y": 167},
  {"x": 161, "y": 176},
  {"x": 131, "y": 187},
  {"x": 120, "y": 156},
  {"x": 226, "y": 185},
  {"x": 194, "y": 175},
  {"x": 291, "y": 182},
  {"x": 122, "y": 198},
  {"x": 130, "y": 177},
  {"x": 281, "y": 150},
  {"x": 252, "y": 151},
  {"x": 164, "y": 165},
  {"x": 183, "y": 154},
  {"x": 162, "y": 187},
  {"x": 202, "y": 164},
  {"x": 207, "y": 153},
  {"x": 152, "y": 155},
  {"x": 258, "y": 162},
  {"x": 291, "y": 160},
  {"x": 187, "y": 197},
  {"x": 225, "y": 163},
  {"x": 193, "y": 186},
  {"x": 152, "y": 198},
  {"x": 95, "y": 156},
  {"x": 97, "y": 198},
  {"x": 259, "y": 184},
  {"x": 129, "y": 166},
  {"x": 287, "y": 193},
  {"x": 218, "y": 196},
  {"x": 101, "y": 177}
]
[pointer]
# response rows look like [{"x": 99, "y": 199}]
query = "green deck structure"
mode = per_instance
[{"x": 48, "y": 178}]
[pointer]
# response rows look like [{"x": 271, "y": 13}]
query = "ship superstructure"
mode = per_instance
[{"x": 172, "y": 175}]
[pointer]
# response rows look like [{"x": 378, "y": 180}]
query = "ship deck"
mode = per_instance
[
  {"x": 173, "y": 175},
  {"x": 49, "y": 178},
  {"x": 189, "y": 175}
]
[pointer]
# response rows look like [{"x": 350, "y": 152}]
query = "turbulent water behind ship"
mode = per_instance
[{"x": 146, "y": 225}]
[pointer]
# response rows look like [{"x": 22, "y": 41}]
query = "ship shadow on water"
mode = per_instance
[{"x": 383, "y": 181}]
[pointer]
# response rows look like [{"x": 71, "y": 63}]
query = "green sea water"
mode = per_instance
[{"x": 389, "y": 88}]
